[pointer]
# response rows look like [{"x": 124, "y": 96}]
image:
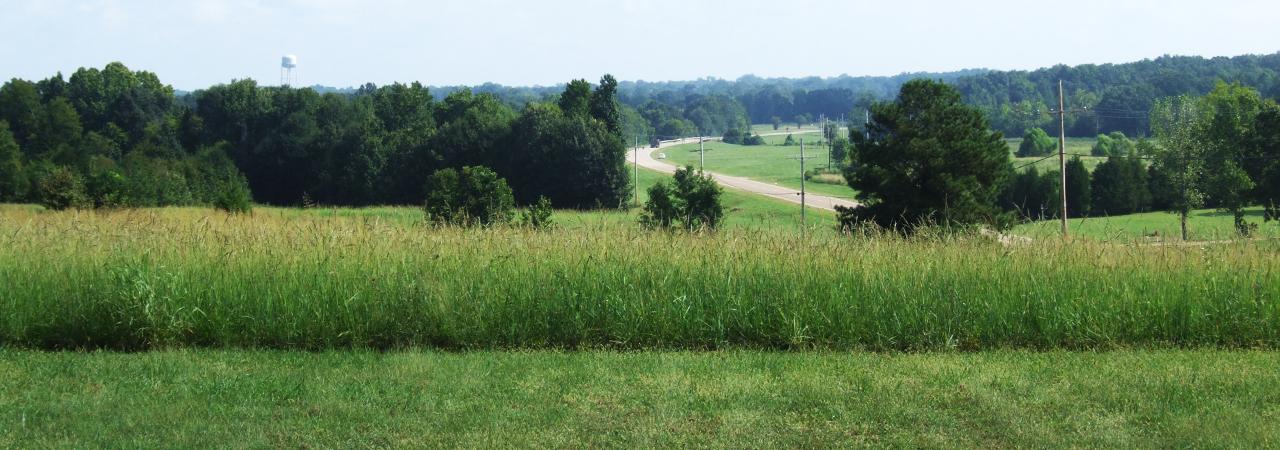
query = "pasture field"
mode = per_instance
[
  {"x": 735, "y": 399},
  {"x": 1075, "y": 146},
  {"x": 742, "y": 211},
  {"x": 771, "y": 163},
  {"x": 767, "y": 128},
  {"x": 1203, "y": 225},
  {"x": 179, "y": 278}
]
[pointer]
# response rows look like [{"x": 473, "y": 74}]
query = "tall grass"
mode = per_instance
[{"x": 185, "y": 277}]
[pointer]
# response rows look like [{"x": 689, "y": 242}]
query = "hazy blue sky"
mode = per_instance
[{"x": 192, "y": 44}]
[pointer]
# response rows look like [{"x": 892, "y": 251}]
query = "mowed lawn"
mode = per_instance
[
  {"x": 1202, "y": 225},
  {"x": 356, "y": 399},
  {"x": 772, "y": 163}
]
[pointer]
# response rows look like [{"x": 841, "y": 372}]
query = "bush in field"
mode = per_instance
[
  {"x": 538, "y": 215},
  {"x": 693, "y": 201},
  {"x": 733, "y": 136},
  {"x": 754, "y": 139},
  {"x": 660, "y": 210},
  {"x": 790, "y": 141},
  {"x": 1114, "y": 144},
  {"x": 61, "y": 188},
  {"x": 233, "y": 196},
  {"x": 699, "y": 199},
  {"x": 474, "y": 196},
  {"x": 1035, "y": 142}
]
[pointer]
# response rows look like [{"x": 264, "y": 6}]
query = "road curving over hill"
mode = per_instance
[{"x": 644, "y": 158}]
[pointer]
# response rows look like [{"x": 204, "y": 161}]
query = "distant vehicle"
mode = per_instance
[
  {"x": 662, "y": 156},
  {"x": 654, "y": 143}
]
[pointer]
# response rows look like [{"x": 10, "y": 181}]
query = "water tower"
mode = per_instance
[{"x": 287, "y": 64}]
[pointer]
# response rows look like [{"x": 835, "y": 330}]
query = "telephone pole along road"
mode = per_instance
[{"x": 645, "y": 159}]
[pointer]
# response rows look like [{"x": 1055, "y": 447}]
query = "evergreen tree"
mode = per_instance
[
  {"x": 1079, "y": 188},
  {"x": 930, "y": 159}
]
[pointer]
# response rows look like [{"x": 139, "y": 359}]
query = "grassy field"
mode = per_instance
[
  {"x": 742, "y": 211},
  {"x": 786, "y": 126},
  {"x": 182, "y": 278},
  {"x": 1003, "y": 399},
  {"x": 1203, "y": 225},
  {"x": 1075, "y": 146},
  {"x": 771, "y": 163}
]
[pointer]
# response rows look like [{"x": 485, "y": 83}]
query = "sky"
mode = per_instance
[{"x": 193, "y": 44}]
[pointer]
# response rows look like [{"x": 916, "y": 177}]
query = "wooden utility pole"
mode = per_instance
[
  {"x": 1062, "y": 154},
  {"x": 802, "y": 157},
  {"x": 702, "y": 153},
  {"x": 635, "y": 181}
]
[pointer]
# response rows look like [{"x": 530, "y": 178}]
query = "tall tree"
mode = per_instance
[
  {"x": 1232, "y": 110},
  {"x": 20, "y": 105},
  {"x": 930, "y": 159},
  {"x": 12, "y": 178},
  {"x": 604, "y": 104},
  {"x": 1179, "y": 157},
  {"x": 576, "y": 98}
]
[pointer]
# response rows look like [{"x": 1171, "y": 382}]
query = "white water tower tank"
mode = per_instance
[{"x": 287, "y": 64}]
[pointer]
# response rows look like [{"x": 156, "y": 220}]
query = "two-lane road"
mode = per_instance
[{"x": 645, "y": 159}]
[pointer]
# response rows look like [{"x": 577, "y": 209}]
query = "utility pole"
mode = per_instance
[
  {"x": 802, "y": 157},
  {"x": 1062, "y": 153},
  {"x": 702, "y": 153},
  {"x": 867, "y": 125},
  {"x": 635, "y": 181}
]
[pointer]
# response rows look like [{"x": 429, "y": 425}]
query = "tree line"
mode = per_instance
[
  {"x": 115, "y": 137},
  {"x": 929, "y": 159}
]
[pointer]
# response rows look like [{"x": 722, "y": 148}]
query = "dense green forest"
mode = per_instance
[
  {"x": 1108, "y": 97},
  {"x": 115, "y": 137}
]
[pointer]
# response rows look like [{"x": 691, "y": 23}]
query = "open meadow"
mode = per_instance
[
  {"x": 772, "y": 163},
  {"x": 164, "y": 278}
]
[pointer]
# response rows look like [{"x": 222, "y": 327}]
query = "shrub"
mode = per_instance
[
  {"x": 62, "y": 188},
  {"x": 660, "y": 210},
  {"x": 699, "y": 199},
  {"x": 733, "y": 136},
  {"x": 1035, "y": 142},
  {"x": 754, "y": 139},
  {"x": 1114, "y": 144},
  {"x": 234, "y": 197},
  {"x": 790, "y": 141},
  {"x": 475, "y": 196},
  {"x": 694, "y": 201},
  {"x": 538, "y": 215}
]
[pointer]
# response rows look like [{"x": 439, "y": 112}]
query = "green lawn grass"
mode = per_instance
[
  {"x": 767, "y": 163},
  {"x": 1203, "y": 225},
  {"x": 1001, "y": 399}
]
